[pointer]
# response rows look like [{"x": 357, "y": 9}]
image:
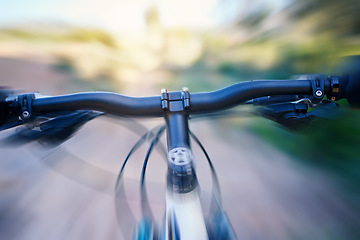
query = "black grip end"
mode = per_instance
[
  {"x": 353, "y": 90},
  {"x": 4, "y": 114},
  {"x": 350, "y": 67}
]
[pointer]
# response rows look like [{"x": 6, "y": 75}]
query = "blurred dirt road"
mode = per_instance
[{"x": 67, "y": 192}]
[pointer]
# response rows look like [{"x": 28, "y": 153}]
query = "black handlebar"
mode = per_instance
[
  {"x": 151, "y": 106},
  {"x": 239, "y": 93},
  {"x": 111, "y": 103},
  {"x": 316, "y": 86}
]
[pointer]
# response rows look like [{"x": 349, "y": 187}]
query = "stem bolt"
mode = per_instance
[
  {"x": 318, "y": 93},
  {"x": 26, "y": 114}
]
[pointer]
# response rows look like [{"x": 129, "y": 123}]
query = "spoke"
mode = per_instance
[{"x": 144, "y": 200}]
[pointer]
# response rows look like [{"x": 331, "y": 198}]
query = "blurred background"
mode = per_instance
[{"x": 276, "y": 183}]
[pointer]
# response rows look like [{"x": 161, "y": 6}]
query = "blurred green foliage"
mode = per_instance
[
  {"x": 341, "y": 18},
  {"x": 98, "y": 83},
  {"x": 72, "y": 34},
  {"x": 91, "y": 35}
]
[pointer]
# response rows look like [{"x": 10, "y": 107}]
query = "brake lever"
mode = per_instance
[
  {"x": 268, "y": 100},
  {"x": 52, "y": 131},
  {"x": 295, "y": 115},
  {"x": 61, "y": 128}
]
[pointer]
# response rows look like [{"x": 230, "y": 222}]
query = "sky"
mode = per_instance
[{"x": 118, "y": 16}]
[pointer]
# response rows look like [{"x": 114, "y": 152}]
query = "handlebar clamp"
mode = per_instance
[
  {"x": 25, "y": 105},
  {"x": 175, "y": 101},
  {"x": 318, "y": 85}
]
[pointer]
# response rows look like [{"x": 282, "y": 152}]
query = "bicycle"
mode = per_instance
[{"x": 285, "y": 101}]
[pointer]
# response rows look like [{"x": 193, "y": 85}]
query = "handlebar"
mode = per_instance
[
  {"x": 121, "y": 105},
  {"x": 111, "y": 103},
  {"x": 239, "y": 93},
  {"x": 316, "y": 86}
]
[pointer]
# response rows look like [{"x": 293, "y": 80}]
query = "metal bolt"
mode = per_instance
[
  {"x": 26, "y": 114},
  {"x": 318, "y": 93}
]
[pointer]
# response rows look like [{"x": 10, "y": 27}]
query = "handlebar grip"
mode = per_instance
[
  {"x": 9, "y": 110},
  {"x": 4, "y": 113},
  {"x": 351, "y": 77}
]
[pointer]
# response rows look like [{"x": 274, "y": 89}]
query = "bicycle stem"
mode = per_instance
[{"x": 177, "y": 130}]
